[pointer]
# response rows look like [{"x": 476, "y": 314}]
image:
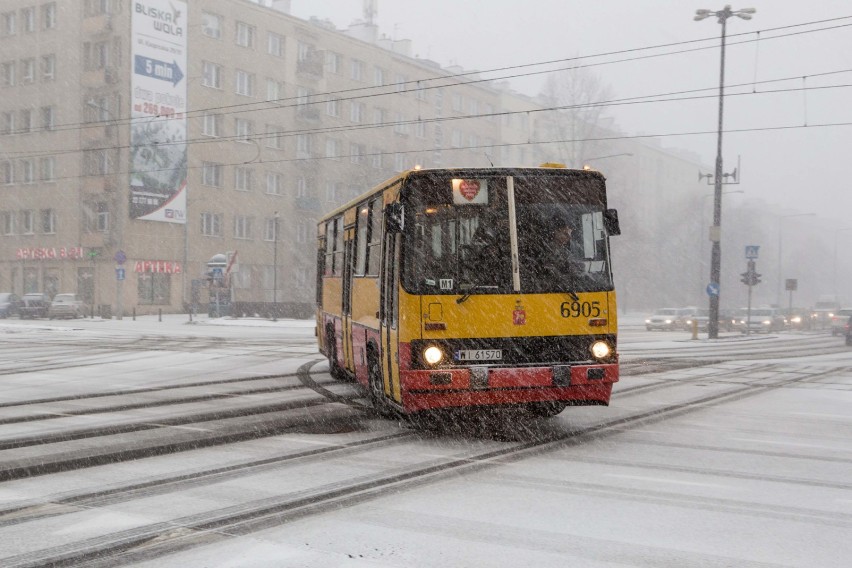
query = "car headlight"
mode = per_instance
[
  {"x": 796, "y": 319},
  {"x": 601, "y": 350},
  {"x": 767, "y": 322},
  {"x": 433, "y": 355},
  {"x": 647, "y": 321},
  {"x": 668, "y": 321}
]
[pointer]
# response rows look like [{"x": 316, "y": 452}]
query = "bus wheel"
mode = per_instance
[
  {"x": 546, "y": 409},
  {"x": 333, "y": 368}
]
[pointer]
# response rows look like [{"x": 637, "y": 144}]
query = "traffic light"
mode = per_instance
[{"x": 750, "y": 278}]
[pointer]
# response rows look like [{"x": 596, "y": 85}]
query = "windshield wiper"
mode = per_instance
[{"x": 473, "y": 287}]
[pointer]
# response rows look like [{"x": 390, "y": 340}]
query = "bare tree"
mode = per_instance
[{"x": 579, "y": 98}]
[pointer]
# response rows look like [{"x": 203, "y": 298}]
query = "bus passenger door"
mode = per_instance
[
  {"x": 390, "y": 317},
  {"x": 348, "y": 357}
]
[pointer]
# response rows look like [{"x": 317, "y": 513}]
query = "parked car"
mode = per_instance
[
  {"x": 761, "y": 320},
  {"x": 9, "y": 304},
  {"x": 668, "y": 319},
  {"x": 34, "y": 305},
  {"x": 66, "y": 306},
  {"x": 848, "y": 331},
  {"x": 839, "y": 320}
]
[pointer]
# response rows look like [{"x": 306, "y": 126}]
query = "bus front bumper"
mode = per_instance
[{"x": 589, "y": 384}]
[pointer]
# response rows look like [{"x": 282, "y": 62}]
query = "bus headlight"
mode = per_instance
[
  {"x": 601, "y": 350},
  {"x": 433, "y": 355}
]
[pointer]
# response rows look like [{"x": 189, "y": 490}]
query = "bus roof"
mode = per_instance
[{"x": 556, "y": 169}]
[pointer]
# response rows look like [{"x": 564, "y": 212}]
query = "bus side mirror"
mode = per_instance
[
  {"x": 395, "y": 215},
  {"x": 611, "y": 222}
]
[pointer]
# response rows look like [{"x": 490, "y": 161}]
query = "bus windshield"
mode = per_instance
[{"x": 457, "y": 234}]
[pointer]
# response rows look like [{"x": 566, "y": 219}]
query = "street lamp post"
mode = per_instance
[
  {"x": 275, "y": 269},
  {"x": 716, "y": 253},
  {"x": 118, "y": 221},
  {"x": 780, "y": 258}
]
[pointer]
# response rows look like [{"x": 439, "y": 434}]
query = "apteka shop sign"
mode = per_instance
[{"x": 157, "y": 266}]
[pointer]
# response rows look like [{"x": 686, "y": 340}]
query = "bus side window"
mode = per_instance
[
  {"x": 329, "y": 247},
  {"x": 361, "y": 240},
  {"x": 374, "y": 252}
]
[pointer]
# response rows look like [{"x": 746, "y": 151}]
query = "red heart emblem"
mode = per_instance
[{"x": 469, "y": 188}]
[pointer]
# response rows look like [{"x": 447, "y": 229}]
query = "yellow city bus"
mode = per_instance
[{"x": 457, "y": 288}]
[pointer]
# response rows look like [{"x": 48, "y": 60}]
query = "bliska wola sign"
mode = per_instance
[{"x": 164, "y": 21}]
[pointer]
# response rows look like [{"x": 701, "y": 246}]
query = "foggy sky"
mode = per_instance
[{"x": 793, "y": 170}]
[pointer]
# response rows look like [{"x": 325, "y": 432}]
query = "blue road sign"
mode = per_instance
[
  {"x": 751, "y": 251},
  {"x": 120, "y": 257},
  {"x": 713, "y": 289},
  {"x": 119, "y": 274}
]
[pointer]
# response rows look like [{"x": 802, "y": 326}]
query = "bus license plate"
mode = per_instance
[{"x": 479, "y": 355}]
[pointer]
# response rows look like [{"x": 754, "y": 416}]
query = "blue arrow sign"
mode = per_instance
[
  {"x": 713, "y": 289},
  {"x": 119, "y": 274},
  {"x": 158, "y": 69}
]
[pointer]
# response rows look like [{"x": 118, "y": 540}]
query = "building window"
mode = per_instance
[
  {"x": 96, "y": 55},
  {"x": 420, "y": 129},
  {"x": 26, "y": 120},
  {"x": 301, "y": 187},
  {"x": 48, "y": 118},
  {"x": 457, "y": 103},
  {"x": 274, "y": 136},
  {"x": 303, "y": 145},
  {"x": 9, "y": 23},
  {"x": 378, "y": 116},
  {"x": 245, "y": 83},
  {"x": 47, "y": 165},
  {"x": 378, "y": 158},
  {"x": 356, "y": 70},
  {"x": 48, "y": 221},
  {"x": 378, "y": 76},
  {"x": 269, "y": 227},
  {"x": 400, "y": 126},
  {"x": 275, "y": 44},
  {"x": 27, "y": 222},
  {"x": 28, "y": 71},
  {"x": 401, "y": 81},
  {"x": 7, "y": 172},
  {"x": 27, "y": 168},
  {"x": 211, "y": 224},
  {"x": 154, "y": 289},
  {"x": 301, "y": 232},
  {"x": 245, "y": 35},
  {"x": 332, "y": 107},
  {"x": 7, "y": 122},
  {"x": 211, "y": 174},
  {"x": 333, "y": 62},
  {"x": 212, "y": 125},
  {"x": 28, "y": 19},
  {"x": 356, "y": 153},
  {"x": 48, "y": 67},
  {"x": 399, "y": 161},
  {"x": 96, "y": 162},
  {"x": 7, "y": 69},
  {"x": 211, "y": 75},
  {"x": 242, "y": 227},
  {"x": 48, "y": 16},
  {"x": 8, "y": 221},
  {"x": 211, "y": 25},
  {"x": 356, "y": 112},
  {"x": 332, "y": 148},
  {"x": 243, "y": 129},
  {"x": 274, "y": 90},
  {"x": 243, "y": 178},
  {"x": 274, "y": 183}
]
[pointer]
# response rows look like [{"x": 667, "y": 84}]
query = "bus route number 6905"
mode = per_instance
[{"x": 578, "y": 309}]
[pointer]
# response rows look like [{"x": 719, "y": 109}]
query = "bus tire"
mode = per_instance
[
  {"x": 333, "y": 368},
  {"x": 546, "y": 409}
]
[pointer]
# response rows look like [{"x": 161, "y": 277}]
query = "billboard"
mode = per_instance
[{"x": 158, "y": 152}]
